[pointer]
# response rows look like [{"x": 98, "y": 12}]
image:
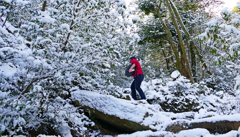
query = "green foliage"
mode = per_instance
[
  {"x": 215, "y": 37},
  {"x": 147, "y": 7},
  {"x": 14, "y": 93},
  {"x": 213, "y": 51},
  {"x": 219, "y": 62},
  {"x": 76, "y": 45},
  {"x": 2, "y": 133}
]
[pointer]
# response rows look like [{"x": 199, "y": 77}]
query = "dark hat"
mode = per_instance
[{"x": 132, "y": 57}]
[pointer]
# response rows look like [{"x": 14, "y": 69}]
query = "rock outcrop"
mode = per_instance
[
  {"x": 112, "y": 124},
  {"x": 111, "y": 113},
  {"x": 221, "y": 125},
  {"x": 124, "y": 116}
]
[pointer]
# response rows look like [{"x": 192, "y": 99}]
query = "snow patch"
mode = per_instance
[
  {"x": 175, "y": 74},
  {"x": 8, "y": 70},
  {"x": 44, "y": 17}
]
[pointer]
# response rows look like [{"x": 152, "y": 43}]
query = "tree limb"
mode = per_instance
[
  {"x": 188, "y": 35},
  {"x": 170, "y": 39},
  {"x": 180, "y": 40}
]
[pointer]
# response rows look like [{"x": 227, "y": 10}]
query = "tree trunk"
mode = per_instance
[
  {"x": 181, "y": 41},
  {"x": 183, "y": 69},
  {"x": 193, "y": 60},
  {"x": 188, "y": 35},
  {"x": 165, "y": 57},
  {"x": 44, "y": 5},
  {"x": 170, "y": 39}
]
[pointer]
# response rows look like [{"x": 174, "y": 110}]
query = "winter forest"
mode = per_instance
[{"x": 62, "y": 68}]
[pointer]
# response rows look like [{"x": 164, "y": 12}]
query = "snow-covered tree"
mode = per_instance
[
  {"x": 162, "y": 24},
  {"x": 48, "y": 47},
  {"x": 222, "y": 40}
]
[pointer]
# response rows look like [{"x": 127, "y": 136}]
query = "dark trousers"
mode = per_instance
[{"x": 136, "y": 86}]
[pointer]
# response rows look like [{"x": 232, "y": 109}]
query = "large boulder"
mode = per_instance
[
  {"x": 111, "y": 124},
  {"x": 216, "y": 124},
  {"x": 220, "y": 127},
  {"x": 127, "y": 116}
]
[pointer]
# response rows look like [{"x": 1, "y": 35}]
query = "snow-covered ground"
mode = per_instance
[
  {"x": 199, "y": 132},
  {"x": 157, "y": 119},
  {"x": 153, "y": 116}
]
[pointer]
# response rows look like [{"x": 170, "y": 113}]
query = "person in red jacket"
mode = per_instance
[{"x": 138, "y": 79}]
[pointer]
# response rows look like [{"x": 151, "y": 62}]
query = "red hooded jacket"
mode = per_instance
[{"x": 139, "y": 69}]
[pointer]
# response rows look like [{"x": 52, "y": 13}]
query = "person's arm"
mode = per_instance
[{"x": 131, "y": 69}]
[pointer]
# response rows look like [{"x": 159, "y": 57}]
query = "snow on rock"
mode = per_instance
[
  {"x": 142, "y": 113},
  {"x": 175, "y": 74},
  {"x": 148, "y": 133},
  {"x": 198, "y": 132},
  {"x": 41, "y": 135},
  {"x": 234, "y": 117},
  {"x": 152, "y": 116},
  {"x": 201, "y": 123},
  {"x": 215, "y": 124}
]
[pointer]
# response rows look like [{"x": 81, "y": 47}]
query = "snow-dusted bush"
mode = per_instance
[
  {"x": 45, "y": 49},
  {"x": 174, "y": 96},
  {"x": 182, "y": 96},
  {"x": 221, "y": 38}
]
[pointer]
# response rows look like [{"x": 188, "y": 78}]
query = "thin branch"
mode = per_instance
[
  {"x": 71, "y": 26},
  {"x": 29, "y": 85}
]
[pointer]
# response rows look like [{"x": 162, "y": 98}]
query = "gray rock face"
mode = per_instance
[{"x": 221, "y": 126}]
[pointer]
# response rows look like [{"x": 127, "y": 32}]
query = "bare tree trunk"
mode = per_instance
[
  {"x": 193, "y": 60},
  {"x": 183, "y": 68},
  {"x": 170, "y": 39},
  {"x": 170, "y": 53},
  {"x": 188, "y": 35},
  {"x": 181, "y": 41},
  {"x": 165, "y": 57},
  {"x": 44, "y": 5}
]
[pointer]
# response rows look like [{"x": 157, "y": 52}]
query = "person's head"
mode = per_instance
[{"x": 131, "y": 58}]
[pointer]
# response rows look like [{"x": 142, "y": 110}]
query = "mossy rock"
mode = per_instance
[{"x": 112, "y": 123}]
